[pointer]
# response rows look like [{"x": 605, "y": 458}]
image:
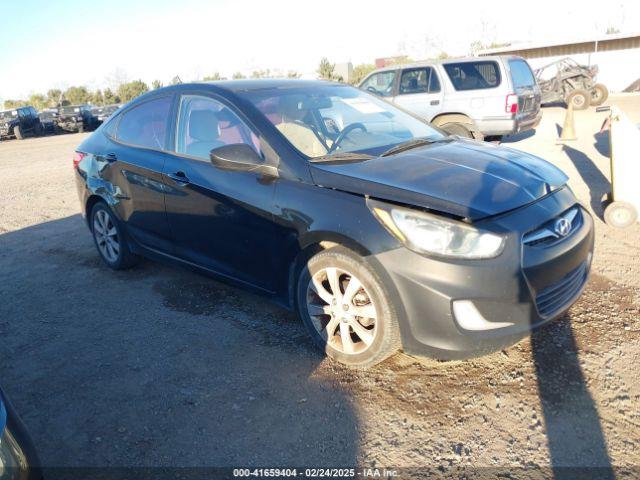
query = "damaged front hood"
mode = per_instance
[{"x": 463, "y": 178}]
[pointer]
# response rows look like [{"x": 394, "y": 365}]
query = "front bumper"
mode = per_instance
[
  {"x": 18, "y": 459},
  {"x": 497, "y": 301}
]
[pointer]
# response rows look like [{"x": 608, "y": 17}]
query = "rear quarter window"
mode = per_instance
[
  {"x": 521, "y": 74},
  {"x": 473, "y": 75}
]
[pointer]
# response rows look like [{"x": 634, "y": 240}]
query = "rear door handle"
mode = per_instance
[
  {"x": 179, "y": 177},
  {"x": 435, "y": 102}
]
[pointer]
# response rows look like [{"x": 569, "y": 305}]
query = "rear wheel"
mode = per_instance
[
  {"x": 109, "y": 238},
  {"x": 17, "y": 131},
  {"x": 599, "y": 94},
  {"x": 457, "y": 129},
  {"x": 620, "y": 214},
  {"x": 580, "y": 99},
  {"x": 346, "y": 309}
]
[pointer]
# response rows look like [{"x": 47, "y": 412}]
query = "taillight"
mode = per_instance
[
  {"x": 511, "y": 105},
  {"x": 77, "y": 158}
]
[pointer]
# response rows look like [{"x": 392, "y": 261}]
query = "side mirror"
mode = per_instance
[{"x": 240, "y": 157}]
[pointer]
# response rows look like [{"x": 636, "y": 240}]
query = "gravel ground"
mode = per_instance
[{"x": 161, "y": 367}]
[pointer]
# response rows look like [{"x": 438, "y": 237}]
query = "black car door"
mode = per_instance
[
  {"x": 132, "y": 163},
  {"x": 220, "y": 219}
]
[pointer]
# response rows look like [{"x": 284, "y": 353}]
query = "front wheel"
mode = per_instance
[
  {"x": 109, "y": 238},
  {"x": 580, "y": 99},
  {"x": 81, "y": 128},
  {"x": 347, "y": 309},
  {"x": 599, "y": 94},
  {"x": 17, "y": 131}
]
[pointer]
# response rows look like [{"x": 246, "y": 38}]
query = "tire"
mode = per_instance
[
  {"x": 116, "y": 259},
  {"x": 369, "y": 340},
  {"x": 599, "y": 94},
  {"x": 18, "y": 133},
  {"x": 38, "y": 130},
  {"x": 81, "y": 128},
  {"x": 620, "y": 214},
  {"x": 458, "y": 129},
  {"x": 579, "y": 98}
]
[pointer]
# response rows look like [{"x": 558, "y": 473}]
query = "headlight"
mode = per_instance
[{"x": 431, "y": 234}]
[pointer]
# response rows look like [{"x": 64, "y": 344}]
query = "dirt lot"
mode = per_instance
[{"x": 160, "y": 367}]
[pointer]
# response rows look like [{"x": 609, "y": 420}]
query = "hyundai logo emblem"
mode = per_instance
[{"x": 563, "y": 227}]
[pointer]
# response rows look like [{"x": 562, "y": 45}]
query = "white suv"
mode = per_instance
[{"x": 473, "y": 97}]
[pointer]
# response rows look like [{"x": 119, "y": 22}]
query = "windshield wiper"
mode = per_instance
[
  {"x": 342, "y": 157},
  {"x": 413, "y": 143}
]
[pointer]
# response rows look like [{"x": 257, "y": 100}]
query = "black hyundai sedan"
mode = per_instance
[{"x": 383, "y": 232}]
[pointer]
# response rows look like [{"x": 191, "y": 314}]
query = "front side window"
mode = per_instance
[
  {"x": 145, "y": 125},
  {"x": 380, "y": 83},
  {"x": 205, "y": 124},
  {"x": 327, "y": 119},
  {"x": 475, "y": 75},
  {"x": 419, "y": 80}
]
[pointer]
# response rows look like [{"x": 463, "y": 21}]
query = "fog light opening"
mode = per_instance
[{"x": 469, "y": 318}]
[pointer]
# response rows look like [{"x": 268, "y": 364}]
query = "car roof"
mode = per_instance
[{"x": 444, "y": 61}]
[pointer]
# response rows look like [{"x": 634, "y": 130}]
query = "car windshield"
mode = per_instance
[
  {"x": 8, "y": 114},
  {"x": 327, "y": 119},
  {"x": 70, "y": 109}
]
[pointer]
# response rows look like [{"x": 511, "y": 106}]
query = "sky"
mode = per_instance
[{"x": 98, "y": 43}]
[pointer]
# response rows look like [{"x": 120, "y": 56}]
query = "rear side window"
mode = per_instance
[
  {"x": 380, "y": 83},
  {"x": 473, "y": 75},
  {"x": 146, "y": 124},
  {"x": 419, "y": 80},
  {"x": 521, "y": 74}
]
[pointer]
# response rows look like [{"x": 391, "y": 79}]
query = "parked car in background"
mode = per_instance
[
  {"x": 18, "y": 458},
  {"x": 20, "y": 122},
  {"x": 382, "y": 231},
  {"x": 76, "y": 118},
  {"x": 105, "y": 111},
  {"x": 567, "y": 81},
  {"x": 48, "y": 119},
  {"x": 470, "y": 97}
]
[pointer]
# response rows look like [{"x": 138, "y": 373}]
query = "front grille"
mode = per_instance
[
  {"x": 557, "y": 296},
  {"x": 547, "y": 234}
]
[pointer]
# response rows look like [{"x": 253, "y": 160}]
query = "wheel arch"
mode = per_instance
[
  {"x": 310, "y": 245},
  {"x": 458, "y": 117}
]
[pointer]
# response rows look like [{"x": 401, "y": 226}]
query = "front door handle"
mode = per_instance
[{"x": 179, "y": 177}]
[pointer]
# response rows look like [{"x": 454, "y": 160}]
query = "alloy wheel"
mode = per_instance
[
  {"x": 341, "y": 310},
  {"x": 106, "y": 236}
]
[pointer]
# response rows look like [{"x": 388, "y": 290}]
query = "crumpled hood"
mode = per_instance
[{"x": 462, "y": 177}]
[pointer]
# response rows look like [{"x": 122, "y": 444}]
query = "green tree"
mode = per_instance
[
  {"x": 293, "y": 74},
  {"x": 238, "y": 76},
  {"x": 9, "y": 104},
  {"x": 261, "y": 74},
  {"x": 38, "y": 101},
  {"x": 130, "y": 90},
  {"x": 110, "y": 98},
  {"x": 215, "y": 76},
  {"x": 326, "y": 69},
  {"x": 54, "y": 97},
  {"x": 97, "y": 98},
  {"x": 156, "y": 84},
  {"x": 77, "y": 95},
  {"x": 360, "y": 71},
  {"x": 176, "y": 80}
]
